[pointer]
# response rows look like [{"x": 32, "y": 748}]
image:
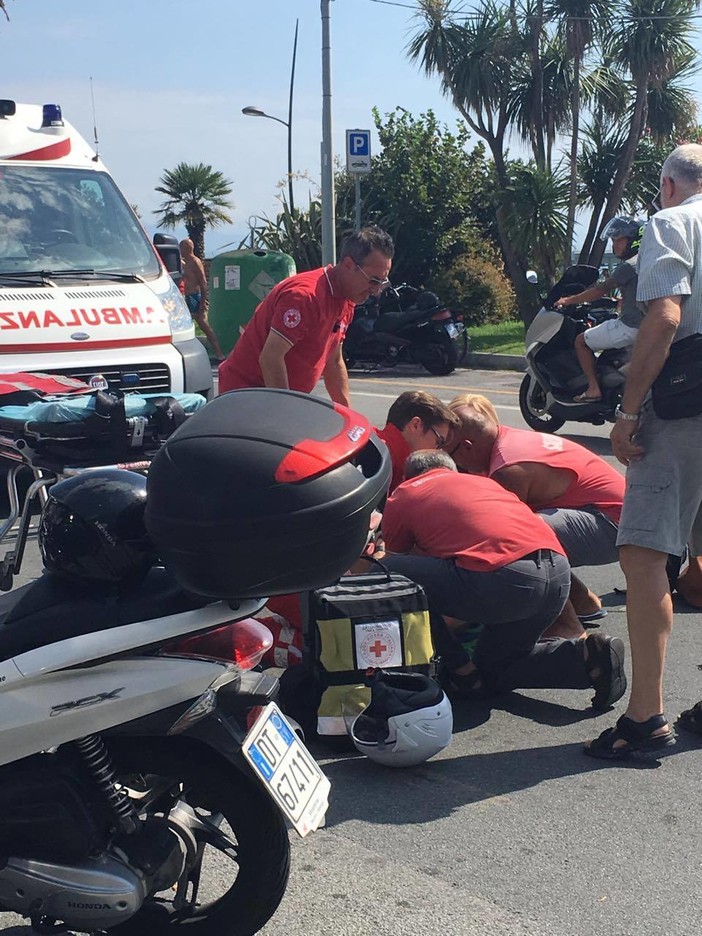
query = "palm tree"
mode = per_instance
[
  {"x": 476, "y": 62},
  {"x": 579, "y": 21},
  {"x": 196, "y": 198},
  {"x": 649, "y": 40}
]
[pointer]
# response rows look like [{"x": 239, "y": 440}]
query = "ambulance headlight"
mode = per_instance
[{"x": 179, "y": 317}]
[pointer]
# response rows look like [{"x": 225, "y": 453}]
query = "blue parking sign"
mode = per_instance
[{"x": 358, "y": 155}]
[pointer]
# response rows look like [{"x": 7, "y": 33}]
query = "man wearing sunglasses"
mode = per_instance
[
  {"x": 416, "y": 420},
  {"x": 295, "y": 335}
]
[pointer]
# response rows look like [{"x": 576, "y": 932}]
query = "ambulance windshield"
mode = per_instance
[{"x": 59, "y": 219}]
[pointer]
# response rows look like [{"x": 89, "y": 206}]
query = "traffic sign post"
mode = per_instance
[
  {"x": 358, "y": 162},
  {"x": 358, "y": 154}
]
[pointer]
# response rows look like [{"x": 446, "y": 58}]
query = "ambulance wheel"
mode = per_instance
[{"x": 532, "y": 402}]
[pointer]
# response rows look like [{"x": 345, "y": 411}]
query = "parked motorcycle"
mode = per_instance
[
  {"x": 405, "y": 326},
  {"x": 145, "y": 787},
  {"x": 554, "y": 376}
]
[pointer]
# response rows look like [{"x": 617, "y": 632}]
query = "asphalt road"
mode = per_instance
[{"x": 511, "y": 830}]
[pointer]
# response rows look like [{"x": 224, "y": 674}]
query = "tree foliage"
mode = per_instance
[
  {"x": 544, "y": 69},
  {"x": 433, "y": 195},
  {"x": 427, "y": 190},
  {"x": 197, "y": 196}
]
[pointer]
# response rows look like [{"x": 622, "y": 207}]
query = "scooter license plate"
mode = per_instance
[
  {"x": 451, "y": 329},
  {"x": 287, "y": 770}
]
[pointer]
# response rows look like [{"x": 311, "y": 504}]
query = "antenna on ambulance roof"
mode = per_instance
[{"x": 92, "y": 98}]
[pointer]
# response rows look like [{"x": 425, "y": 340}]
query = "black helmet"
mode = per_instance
[
  {"x": 625, "y": 226},
  {"x": 92, "y": 528}
]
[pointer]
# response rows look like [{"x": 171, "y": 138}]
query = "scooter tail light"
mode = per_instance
[{"x": 243, "y": 643}]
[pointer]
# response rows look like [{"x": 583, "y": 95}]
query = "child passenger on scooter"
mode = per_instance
[{"x": 621, "y": 332}]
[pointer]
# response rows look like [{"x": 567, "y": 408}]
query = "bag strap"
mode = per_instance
[{"x": 169, "y": 414}]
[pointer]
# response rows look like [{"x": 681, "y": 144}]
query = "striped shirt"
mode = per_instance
[{"x": 670, "y": 261}]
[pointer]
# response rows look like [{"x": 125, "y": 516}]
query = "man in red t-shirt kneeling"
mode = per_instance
[{"x": 483, "y": 557}]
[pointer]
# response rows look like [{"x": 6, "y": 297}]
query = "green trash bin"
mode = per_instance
[{"x": 239, "y": 280}]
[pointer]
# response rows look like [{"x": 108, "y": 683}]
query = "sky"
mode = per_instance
[{"x": 169, "y": 81}]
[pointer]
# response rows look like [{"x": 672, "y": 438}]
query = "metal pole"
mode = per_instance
[
  {"x": 357, "y": 186},
  {"x": 290, "y": 120},
  {"x": 328, "y": 221}
]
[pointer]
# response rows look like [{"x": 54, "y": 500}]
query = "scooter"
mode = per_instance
[
  {"x": 126, "y": 794},
  {"x": 145, "y": 786},
  {"x": 554, "y": 377},
  {"x": 405, "y": 326}
]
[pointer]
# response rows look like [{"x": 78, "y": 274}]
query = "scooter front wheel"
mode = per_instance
[{"x": 532, "y": 403}]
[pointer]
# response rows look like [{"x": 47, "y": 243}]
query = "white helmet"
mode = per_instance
[{"x": 409, "y": 719}]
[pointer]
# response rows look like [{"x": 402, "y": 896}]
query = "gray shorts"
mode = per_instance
[
  {"x": 610, "y": 334},
  {"x": 664, "y": 488},
  {"x": 587, "y": 535}
]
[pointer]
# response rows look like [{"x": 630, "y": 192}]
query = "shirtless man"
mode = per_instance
[{"x": 196, "y": 293}]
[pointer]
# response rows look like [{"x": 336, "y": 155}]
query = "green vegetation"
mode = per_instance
[
  {"x": 500, "y": 338},
  {"x": 196, "y": 196}
]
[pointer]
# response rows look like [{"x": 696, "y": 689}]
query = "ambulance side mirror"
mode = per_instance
[{"x": 169, "y": 251}]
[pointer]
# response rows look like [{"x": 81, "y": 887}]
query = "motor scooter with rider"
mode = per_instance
[{"x": 577, "y": 346}]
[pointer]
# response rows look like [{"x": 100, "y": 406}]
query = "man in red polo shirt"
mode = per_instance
[
  {"x": 416, "y": 420},
  {"x": 483, "y": 557},
  {"x": 295, "y": 335}
]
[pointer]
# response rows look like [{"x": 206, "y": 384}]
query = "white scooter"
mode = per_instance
[
  {"x": 554, "y": 377},
  {"x": 142, "y": 789},
  {"x": 123, "y": 772}
]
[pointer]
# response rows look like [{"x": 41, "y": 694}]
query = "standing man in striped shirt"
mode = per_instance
[{"x": 663, "y": 457}]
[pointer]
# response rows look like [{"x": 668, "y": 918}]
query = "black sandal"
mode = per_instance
[
  {"x": 691, "y": 719},
  {"x": 638, "y": 738}
]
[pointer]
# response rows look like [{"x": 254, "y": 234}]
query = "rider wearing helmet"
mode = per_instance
[
  {"x": 409, "y": 719},
  {"x": 92, "y": 528},
  {"x": 625, "y": 234}
]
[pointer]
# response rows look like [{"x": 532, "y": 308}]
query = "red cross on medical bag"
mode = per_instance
[{"x": 370, "y": 621}]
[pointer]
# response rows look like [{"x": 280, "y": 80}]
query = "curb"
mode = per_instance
[{"x": 487, "y": 361}]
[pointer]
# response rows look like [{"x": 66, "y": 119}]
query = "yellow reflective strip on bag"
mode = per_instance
[
  {"x": 339, "y": 705},
  {"x": 336, "y": 650},
  {"x": 417, "y": 637}
]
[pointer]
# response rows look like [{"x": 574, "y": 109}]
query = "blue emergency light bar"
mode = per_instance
[{"x": 51, "y": 116}]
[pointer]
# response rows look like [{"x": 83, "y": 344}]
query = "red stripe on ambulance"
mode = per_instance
[{"x": 54, "y": 151}]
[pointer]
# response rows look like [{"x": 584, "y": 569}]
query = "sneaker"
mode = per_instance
[{"x": 605, "y": 666}]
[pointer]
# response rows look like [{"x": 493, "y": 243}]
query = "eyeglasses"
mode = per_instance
[
  {"x": 379, "y": 284},
  {"x": 656, "y": 200},
  {"x": 440, "y": 440}
]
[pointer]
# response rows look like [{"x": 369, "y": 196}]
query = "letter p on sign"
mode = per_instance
[{"x": 358, "y": 155}]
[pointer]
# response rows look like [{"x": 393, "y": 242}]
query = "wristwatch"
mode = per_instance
[{"x": 627, "y": 417}]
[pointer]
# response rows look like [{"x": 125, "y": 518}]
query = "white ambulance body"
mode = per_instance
[{"x": 83, "y": 293}]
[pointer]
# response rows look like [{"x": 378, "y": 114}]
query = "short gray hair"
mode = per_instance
[
  {"x": 426, "y": 460},
  {"x": 684, "y": 165}
]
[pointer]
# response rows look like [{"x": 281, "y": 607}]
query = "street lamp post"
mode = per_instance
[
  {"x": 257, "y": 112},
  {"x": 328, "y": 212}
]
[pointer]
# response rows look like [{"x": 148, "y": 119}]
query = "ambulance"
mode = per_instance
[{"x": 83, "y": 292}]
